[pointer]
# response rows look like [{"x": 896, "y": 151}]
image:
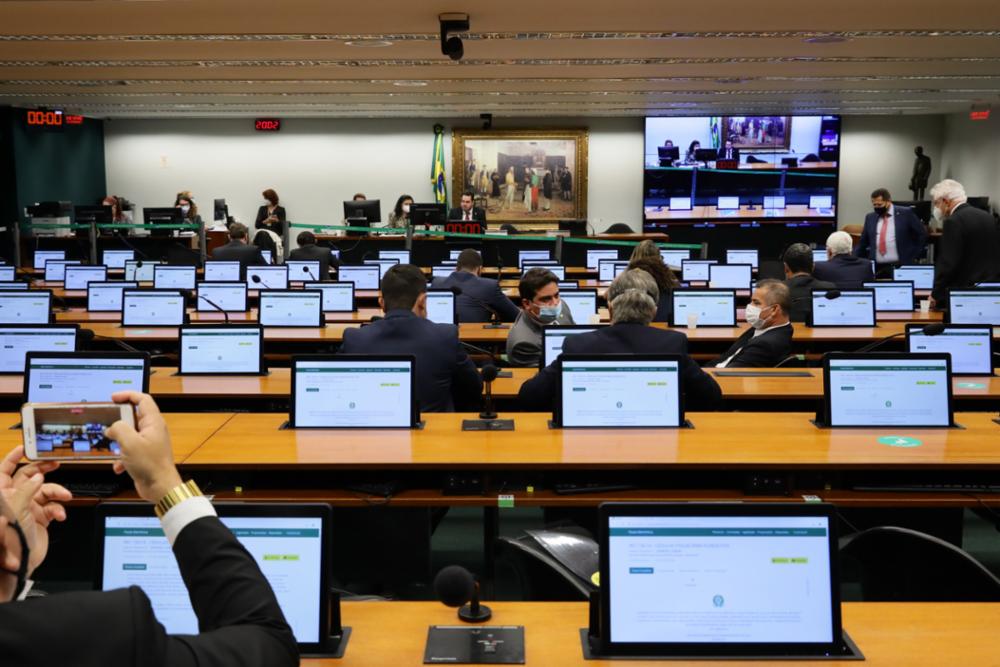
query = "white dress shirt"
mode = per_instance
[{"x": 891, "y": 255}]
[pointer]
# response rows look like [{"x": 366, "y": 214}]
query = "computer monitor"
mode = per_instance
[
  {"x": 774, "y": 203},
  {"x": 222, "y": 271},
  {"x": 819, "y": 255},
  {"x": 219, "y": 296},
  {"x": 843, "y": 308},
  {"x": 16, "y": 340},
  {"x": 595, "y": 254},
  {"x": 267, "y": 255},
  {"x": 532, "y": 254},
  {"x": 302, "y": 270},
  {"x": 705, "y": 154},
  {"x": 557, "y": 269},
  {"x": 737, "y": 580},
  {"x": 749, "y": 256},
  {"x": 26, "y": 307},
  {"x": 730, "y": 276},
  {"x": 989, "y": 285},
  {"x": 92, "y": 377},
  {"x": 970, "y": 345},
  {"x": 428, "y": 214},
  {"x": 441, "y": 307},
  {"x": 619, "y": 391},
  {"x": 42, "y": 256},
  {"x": 892, "y": 296},
  {"x": 290, "y": 543},
  {"x": 13, "y": 285},
  {"x": 163, "y": 215},
  {"x": 668, "y": 153},
  {"x": 267, "y": 277},
  {"x": 453, "y": 255},
  {"x": 401, "y": 256},
  {"x": 887, "y": 389},
  {"x": 728, "y": 204},
  {"x": 152, "y": 308},
  {"x": 443, "y": 270},
  {"x": 820, "y": 201},
  {"x": 382, "y": 264},
  {"x": 8, "y": 273},
  {"x": 338, "y": 297},
  {"x": 115, "y": 259},
  {"x": 696, "y": 270},
  {"x": 673, "y": 257},
  {"x": 232, "y": 349},
  {"x": 77, "y": 276},
  {"x": 55, "y": 269},
  {"x": 582, "y": 303},
  {"x": 107, "y": 297},
  {"x": 562, "y": 285},
  {"x": 291, "y": 308},
  {"x": 220, "y": 212},
  {"x": 608, "y": 269},
  {"x": 368, "y": 210},
  {"x": 364, "y": 277},
  {"x": 974, "y": 306},
  {"x": 335, "y": 254},
  {"x": 140, "y": 270},
  {"x": 553, "y": 337},
  {"x": 921, "y": 275},
  {"x": 166, "y": 276},
  {"x": 713, "y": 307},
  {"x": 680, "y": 204},
  {"x": 353, "y": 391},
  {"x": 84, "y": 215}
]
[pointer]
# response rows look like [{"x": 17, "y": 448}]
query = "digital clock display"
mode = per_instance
[
  {"x": 44, "y": 118},
  {"x": 267, "y": 124}
]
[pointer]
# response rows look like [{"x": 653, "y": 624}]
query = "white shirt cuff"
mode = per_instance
[
  {"x": 27, "y": 589},
  {"x": 183, "y": 513}
]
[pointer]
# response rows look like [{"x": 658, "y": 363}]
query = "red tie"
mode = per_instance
[
  {"x": 882, "y": 233},
  {"x": 467, "y": 216}
]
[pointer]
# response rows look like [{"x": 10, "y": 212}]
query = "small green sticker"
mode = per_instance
[
  {"x": 505, "y": 501},
  {"x": 971, "y": 385},
  {"x": 899, "y": 441}
]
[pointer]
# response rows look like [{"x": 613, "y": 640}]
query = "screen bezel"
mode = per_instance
[
  {"x": 688, "y": 290},
  {"x": 194, "y": 327},
  {"x": 313, "y": 285},
  {"x": 158, "y": 292},
  {"x": 911, "y": 327},
  {"x": 126, "y": 285},
  {"x": 874, "y": 285},
  {"x": 84, "y": 355},
  {"x": 812, "y": 308},
  {"x": 32, "y": 292},
  {"x": 61, "y": 325},
  {"x": 951, "y": 296},
  {"x": 198, "y": 302},
  {"x": 295, "y": 292}
]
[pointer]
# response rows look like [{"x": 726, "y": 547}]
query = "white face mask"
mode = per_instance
[
  {"x": 938, "y": 214},
  {"x": 185, "y": 209},
  {"x": 406, "y": 208},
  {"x": 752, "y": 314}
]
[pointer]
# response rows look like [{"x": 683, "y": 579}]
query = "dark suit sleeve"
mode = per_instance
[
  {"x": 261, "y": 216},
  {"x": 701, "y": 391},
  {"x": 919, "y": 234},
  {"x": 949, "y": 258},
  {"x": 504, "y": 306},
  {"x": 539, "y": 393},
  {"x": 466, "y": 382},
  {"x": 864, "y": 243}
]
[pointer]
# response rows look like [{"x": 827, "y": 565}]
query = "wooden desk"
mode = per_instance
[
  {"x": 83, "y": 316},
  {"x": 889, "y": 634}
]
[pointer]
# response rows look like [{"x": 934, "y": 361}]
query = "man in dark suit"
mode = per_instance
[
  {"x": 799, "y": 280},
  {"x": 467, "y": 213},
  {"x": 892, "y": 235},
  {"x": 239, "y": 250},
  {"x": 841, "y": 267},
  {"x": 479, "y": 298},
  {"x": 632, "y": 299},
  {"x": 729, "y": 152},
  {"x": 446, "y": 378},
  {"x": 238, "y": 614},
  {"x": 308, "y": 250},
  {"x": 768, "y": 341},
  {"x": 969, "y": 249}
]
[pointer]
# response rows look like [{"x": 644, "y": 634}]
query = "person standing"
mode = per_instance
[
  {"x": 547, "y": 190},
  {"x": 921, "y": 173},
  {"x": 511, "y": 184},
  {"x": 567, "y": 184},
  {"x": 892, "y": 235},
  {"x": 527, "y": 189}
]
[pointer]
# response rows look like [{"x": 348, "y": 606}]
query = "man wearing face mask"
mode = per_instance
[
  {"x": 769, "y": 339},
  {"x": 969, "y": 249},
  {"x": 892, "y": 235},
  {"x": 540, "y": 307}
]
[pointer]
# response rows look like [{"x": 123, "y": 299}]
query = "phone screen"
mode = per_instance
[{"x": 74, "y": 431}]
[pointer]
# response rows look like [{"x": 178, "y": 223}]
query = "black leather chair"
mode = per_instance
[
  {"x": 551, "y": 564},
  {"x": 618, "y": 228}
]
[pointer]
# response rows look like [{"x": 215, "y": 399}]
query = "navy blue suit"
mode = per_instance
[
  {"x": 446, "y": 377},
  {"x": 845, "y": 271},
  {"x": 701, "y": 391},
  {"x": 478, "y": 296},
  {"x": 911, "y": 235}
]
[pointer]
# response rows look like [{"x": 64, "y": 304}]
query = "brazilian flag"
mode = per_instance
[
  {"x": 715, "y": 123},
  {"x": 437, "y": 167}
]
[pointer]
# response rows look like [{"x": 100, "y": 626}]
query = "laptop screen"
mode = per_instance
[
  {"x": 553, "y": 337},
  {"x": 728, "y": 203},
  {"x": 16, "y": 342},
  {"x": 729, "y": 276},
  {"x": 358, "y": 392},
  {"x": 267, "y": 277},
  {"x": 55, "y": 269},
  {"x": 174, "y": 277},
  {"x": 230, "y": 297},
  {"x": 853, "y": 308},
  {"x": 152, "y": 308},
  {"x": 115, "y": 259},
  {"x": 220, "y": 350},
  {"x": 42, "y": 256},
  {"x": 107, "y": 297},
  {"x": 892, "y": 296},
  {"x": 819, "y": 255},
  {"x": 774, "y": 202},
  {"x": 13, "y": 285},
  {"x": 401, "y": 256},
  {"x": 625, "y": 391},
  {"x": 970, "y": 346},
  {"x": 442, "y": 270},
  {"x": 222, "y": 271},
  {"x": 8, "y": 274},
  {"x": 303, "y": 270},
  {"x": 595, "y": 254},
  {"x": 382, "y": 264},
  {"x": 582, "y": 304},
  {"x": 673, "y": 257},
  {"x": 680, "y": 203},
  {"x": 888, "y": 390},
  {"x": 25, "y": 307},
  {"x": 267, "y": 255},
  {"x": 90, "y": 377},
  {"x": 695, "y": 270},
  {"x": 338, "y": 297},
  {"x": 291, "y": 308},
  {"x": 608, "y": 269},
  {"x": 978, "y": 306},
  {"x": 76, "y": 277},
  {"x": 922, "y": 276},
  {"x": 820, "y": 201},
  {"x": 363, "y": 277},
  {"x": 713, "y": 307},
  {"x": 142, "y": 274},
  {"x": 532, "y": 254},
  {"x": 441, "y": 306},
  {"x": 559, "y": 271},
  {"x": 742, "y": 257}
]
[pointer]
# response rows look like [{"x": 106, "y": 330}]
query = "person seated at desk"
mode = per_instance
[
  {"x": 799, "y": 280},
  {"x": 689, "y": 157},
  {"x": 768, "y": 341},
  {"x": 239, "y": 250},
  {"x": 308, "y": 250},
  {"x": 647, "y": 257},
  {"x": 189, "y": 210},
  {"x": 892, "y": 235},
  {"x": 540, "y": 307},
  {"x": 446, "y": 378},
  {"x": 841, "y": 267},
  {"x": 729, "y": 152},
  {"x": 632, "y": 299},
  {"x": 466, "y": 211},
  {"x": 118, "y": 212},
  {"x": 400, "y": 214},
  {"x": 238, "y": 613},
  {"x": 480, "y": 297},
  {"x": 270, "y": 216}
]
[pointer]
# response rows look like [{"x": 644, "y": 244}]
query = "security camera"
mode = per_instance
[
  {"x": 452, "y": 46},
  {"x": 487, "y": 119}
]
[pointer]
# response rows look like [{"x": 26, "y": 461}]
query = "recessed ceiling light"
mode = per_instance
[
  {"x": 826, "y": 39},
  {"x": 409, "y": 84},
  {"x": 369, "y": 43}
]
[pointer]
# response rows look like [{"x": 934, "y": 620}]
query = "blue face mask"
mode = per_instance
[{"x": 548, "y": 314}]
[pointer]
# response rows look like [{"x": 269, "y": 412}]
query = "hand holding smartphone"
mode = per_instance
[{"x": 72, "y": 431}]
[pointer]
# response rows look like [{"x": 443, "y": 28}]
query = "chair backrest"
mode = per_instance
[
  {"x": 811, "y": 157},
  {"x": 618, "y": 228},
  {"x": 754, "y": 160},
  {"x": 536, "y": 564},
  {"x": 900, "y": 564}
]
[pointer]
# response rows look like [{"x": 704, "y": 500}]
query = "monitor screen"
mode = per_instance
[
  {"x": 7, "y": 273},
  {"x": 221, "y": 350},
  {"x": 673, "y": 257},
  {"x": 81, "y": 376},
  {"x": 819, "y": 255},
  {"x": 453, "y": 254},
  {"x": 970, "y": 346},
  {"x": 42, "y": 256},
  {"x": 442, "y": 270},
  {"x": 620, "y": 392},
  {"x": 728, "y": 203},
  {"x": 115, "y": 259},
  {"x": 338, "y": 297},
  {"x": 267, "y": 277},
  {"x": 12, "y": 285},
  {"x": 582, "y": 304},
  {"x": 712, "y": 307},
  {"x": 888, "y": 390},
  {"x": 679, "y": 203},
  {"x": 174, "y": 277},
  {"x": 532, "y": 254},
  {"x": 402, "y": 256},
  {"x": 76, "y": 277},
  {"x": 730, "y": 276},
  {"x": 853, "y": 308},
  {"x": 107, "y": 297},
  {"x": 774, "y": 202},
  {"x": 152, "y": 308},
  {"x": 216, "y": 296},
  {"x": 820, "y": 202},
  {"x": 364, "y": 277},
  {"x": 267, "y": 255},
  {"x": 216, "y": 271},
  {"x": 382, "y": 264},
  {"x": 696, "y": 270},
  {"x": 975, "y": 306},
  {"x": 595, "y": 254},
  {"x": 750, "y": 257},
  {"x": 553, "y": 337},
  {"x": 441, "y": 307},
  {"x": 892, "y": 296},
  {"x": 55, "y": 269},
  {"x": 921, "y": 275},
  {"x": 16, "y": 341},
  {"x": 303, "y": 270},
  {"x": 559, "y": 271},
  {"x": 291, "y": 308},
  {"x": 608, "y": 269},
  {"x": 143, "y": 273},
  {"x": 348, "y": 392},
  {"x": 25, "y": 307}
]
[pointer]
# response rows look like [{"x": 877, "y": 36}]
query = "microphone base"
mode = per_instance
[
  {"x": 485, "y": 614},
  {"x": 496, "y": 326},
  {"x": 488, "y": 424}
]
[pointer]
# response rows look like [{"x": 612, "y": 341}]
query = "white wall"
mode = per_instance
[{"x": 972, "y": 155}]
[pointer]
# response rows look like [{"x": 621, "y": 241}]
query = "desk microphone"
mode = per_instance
[
  {"x": 215, "y": 305},
  {"x": 490, "y": 373},
  {"x": 456, "y": 587},
  {"x": 932, "y": 329},
  {"x": 305, "y": 270},
  {"x": 256, "y": 279}
]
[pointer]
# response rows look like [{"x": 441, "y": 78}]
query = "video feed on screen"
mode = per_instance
[{"x": 75, "y": 432}]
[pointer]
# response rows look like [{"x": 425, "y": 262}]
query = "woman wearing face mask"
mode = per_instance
[
  {"x": 768, "y": 341},
  {"x": 540, "y": 307},
  {"x": 189, "y": 210},
  {"x": 271, "y": 216},
  {"x": 400, "y": 215}
]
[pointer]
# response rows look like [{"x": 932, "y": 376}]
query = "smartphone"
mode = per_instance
[{"x": 72, "y": 431}]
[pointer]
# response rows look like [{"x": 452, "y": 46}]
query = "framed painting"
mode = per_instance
[
  {"x": 757, "y": 131},
  {"x": 522, "y": 175}
]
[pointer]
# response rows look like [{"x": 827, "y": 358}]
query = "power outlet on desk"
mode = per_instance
[
  {"x": 760, "y": 484},
  {"x": 464, "y": 484}
]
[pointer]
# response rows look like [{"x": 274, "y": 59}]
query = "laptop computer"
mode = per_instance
[
  {"x": 714, "y": 307},
  {"x": 921, "y": 275},
  {"x": 596, "y": 254},
  {"x": 696, "y": 270},
  {"x": 673, "y": 257},
  {"x": 222, "y": 271},
  {"x": 230, "y": 297},
  {"x": 338, "y": 297},
  {"x": 680, "y": 204},
  {"x": 743, "y": 256},
  {"x": 730, "y": 276},
  {"x": 401, "y": 256},
  {"x": 304, "y": 270},
  {"x": 974, "y": 306},
  {"x": 267, "y": 277},
  {"x": 609, "y": 269},
  {"x": 582, "y": 303},
  {"x": 42, "y": 256},
  {"x": 16, "y": 340},
  {"x": 73, "y": 377},
  {"x": 166, "y": 276},
  {"x": 892, "y": 296},
  {"x": 26, "y": 306},
  {"x": 153, "y": 308},
  {"x": 140, "y": 270},
  {"x": 553, "y": 337},
  {"x": 115, "y": 259},
  {"x": 55, "y": 269},
  {"x": 843, "y": 308},
  {"x": 212, "y": 349},
  {"x": 78, "y": 276},
  {"x": 441, "y": 306},
  {"x": 532, "y": 254},
  {"x": 970, "y": 345},
  {"x": 364, "y": 277},
  {"x": 107, "y": 297},
  {"x": 291, "y": 308}
]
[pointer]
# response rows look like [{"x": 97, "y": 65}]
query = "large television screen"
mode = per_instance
[{"x": 740, "y": 168}]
